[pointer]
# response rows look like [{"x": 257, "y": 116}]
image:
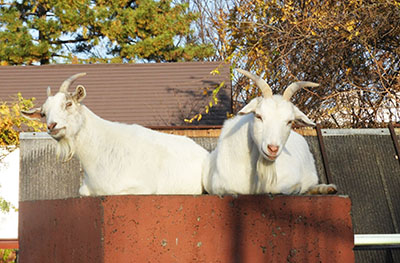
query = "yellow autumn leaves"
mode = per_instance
[{"x": 12, "y": 123}]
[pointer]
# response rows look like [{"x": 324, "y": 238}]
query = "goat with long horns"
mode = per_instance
[
  {"x": 257, "y": 151},
  {"x": 119, "y": 158}
]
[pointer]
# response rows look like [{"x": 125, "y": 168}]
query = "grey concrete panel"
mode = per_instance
[{"x": 42, "y": 175}]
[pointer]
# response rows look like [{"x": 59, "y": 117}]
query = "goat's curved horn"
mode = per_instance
[
  {"x": 265, "y": 88},
  {"x": 65, "y": 85},
  {"x": 292, "y": 88}
]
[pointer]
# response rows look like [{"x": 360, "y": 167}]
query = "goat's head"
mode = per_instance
[
  {"x": 62, "y": 111},
  {"x": 273, "y": 116}
]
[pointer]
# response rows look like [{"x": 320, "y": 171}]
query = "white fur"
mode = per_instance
[
  {"x": 242, "y": 163},
  {"x": 123, "y": 159}
]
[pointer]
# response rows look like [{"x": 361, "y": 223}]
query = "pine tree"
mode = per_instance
[{"x": 47, "y": 31}]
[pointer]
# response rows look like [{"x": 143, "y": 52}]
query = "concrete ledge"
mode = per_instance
[{"x": 187, "y": 229}]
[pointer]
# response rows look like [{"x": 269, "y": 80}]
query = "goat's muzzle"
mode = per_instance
[
  {"x": 51, "y": 126},
  {"x": 53, "y": 132},
  {"x": 273, "y": 148},
  {"x": 272, "y": 152}
]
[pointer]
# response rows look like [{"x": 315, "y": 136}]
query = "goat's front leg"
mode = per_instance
[{"x": 322, "y": 189}]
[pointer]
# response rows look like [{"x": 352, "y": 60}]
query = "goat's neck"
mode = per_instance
[{"x": 90, "y": 137}]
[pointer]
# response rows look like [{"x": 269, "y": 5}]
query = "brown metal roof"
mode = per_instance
[{"x": 155, "y": 94}]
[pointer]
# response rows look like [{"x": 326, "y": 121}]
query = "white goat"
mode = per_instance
[
  {"x": 118, "y": 158},
  {"x": 257, "y": 151}
]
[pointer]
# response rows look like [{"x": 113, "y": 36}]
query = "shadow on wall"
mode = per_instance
[
  {"x": 296, "y": 228},
  {"x": 191, "y": 102}
]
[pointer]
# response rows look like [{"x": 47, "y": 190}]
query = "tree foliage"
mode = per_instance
[
  {"x": 205, "y": 29},
  {"x": 47, "y": 31},
  {"x": 8, "y": 255},
  {"x": 12, "y": 122},
  {"x": 5, "y": 206},
  {"x": 352, "y": 48}
]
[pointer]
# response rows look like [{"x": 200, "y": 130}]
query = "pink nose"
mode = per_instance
[
  {"x": 273, "y": 148},
  {"x": 52, "y": 125}
]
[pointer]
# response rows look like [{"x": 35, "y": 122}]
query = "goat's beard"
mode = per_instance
[
  {"x": 65, "y": 149},
  {"x": 266, "y": 170}
]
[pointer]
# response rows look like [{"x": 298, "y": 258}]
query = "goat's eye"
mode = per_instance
[
  {"x": 68, "y": 104},
  {"x": 258, "y": 116},
  {"x": 290, "y": 123},
  {"x": 42, "y": 114}
]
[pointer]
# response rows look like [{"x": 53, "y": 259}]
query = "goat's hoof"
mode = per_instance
[
  {"x": 84, "y": 191},
  {"x": 331, "y": 190}
]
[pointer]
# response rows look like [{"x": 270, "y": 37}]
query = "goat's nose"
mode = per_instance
[
  {"x": 52, "y": 125},
  {"x": 273, "y": 148}
]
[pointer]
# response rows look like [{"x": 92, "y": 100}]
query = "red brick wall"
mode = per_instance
[{"x": 187, "y": 229}]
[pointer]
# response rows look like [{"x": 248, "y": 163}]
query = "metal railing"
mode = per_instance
[{"x": 376, "y": 241}]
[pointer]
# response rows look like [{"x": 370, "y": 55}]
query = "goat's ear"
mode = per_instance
[
  {"x": 33, "y": 114},
  {"x": 250, "y": 107},
  {"x": 301, "y": 118},
  {"x": 48, "y": 91},
  {"x": 79, "y": 94}
]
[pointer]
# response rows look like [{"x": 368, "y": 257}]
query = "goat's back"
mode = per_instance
[{"x": 130, "y": 159}]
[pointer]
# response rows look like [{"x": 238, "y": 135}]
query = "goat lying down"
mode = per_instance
[
  {"x": 257, "y": 152},
  {"x": 118, "y": 158}
]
